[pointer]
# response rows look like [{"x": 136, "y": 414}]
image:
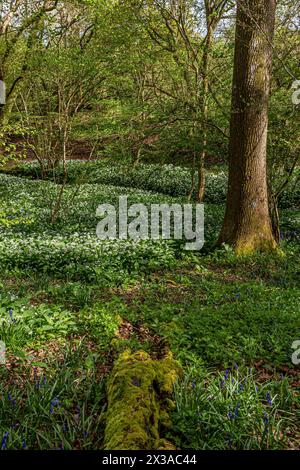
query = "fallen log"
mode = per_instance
[{"x": 139, "y": 401}]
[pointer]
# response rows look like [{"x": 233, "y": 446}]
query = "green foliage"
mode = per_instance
[
  {"x": 9, "y": 151},
  {"x": 56, "y": 406},
  {"x": 226, "y": 310},
  {"x": 84, "y": 257},
  {"x": 13, "y": 216},
  {"x": 70, "y": 249},
  {"x": 100, "y": 323},
  {"x": 232, "y": 411},
  {"x": 22, "y": 324},
  {"x": 170, "y": 180},
  {"x": 87, "y": 80},
  {"x": 209, "y": 308}
]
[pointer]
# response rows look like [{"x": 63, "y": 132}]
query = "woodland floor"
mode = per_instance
[{"x": 67, "y": 311}]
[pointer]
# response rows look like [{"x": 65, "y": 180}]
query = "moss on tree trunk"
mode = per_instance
[
  {"x": 139, "y": 401},
  {"x": 247, "y": 225}
]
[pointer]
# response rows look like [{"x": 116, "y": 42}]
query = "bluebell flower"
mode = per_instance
[
  {"x": 266, "y": 418},
  {"x": 10, "y": 398},
  {"x": 4, "y": 441},
  {"x": 24, "y": 444},
  {"x": 236, "y": 412},
  {"x": 269, "y": 399},
  {"x": 11, "y": 315},
  {"x": 53, "y": 404}
]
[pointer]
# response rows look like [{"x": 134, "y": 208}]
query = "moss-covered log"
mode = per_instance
[{"x": 139, "y": 401}]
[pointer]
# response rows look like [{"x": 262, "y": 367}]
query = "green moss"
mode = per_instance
[
  {"x": 260, "y": 241},
  {"x": 139, "y": 401}
]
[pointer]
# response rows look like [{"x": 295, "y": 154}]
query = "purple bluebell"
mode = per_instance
[
  {"x": 4, "y": 441},
  {"x": 236, "y": 412},
  {"x": 53, "y": 404},
  {"x": 11, "y": 314},
  {"x": 269, "y": 399},
  {"x": 266, "y": 418}
]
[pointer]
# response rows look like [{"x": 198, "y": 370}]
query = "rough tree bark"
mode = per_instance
[{"x": 247, "y": 225}]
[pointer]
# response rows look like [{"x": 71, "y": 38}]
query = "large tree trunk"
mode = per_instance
[{"x": 247, "y": 226}]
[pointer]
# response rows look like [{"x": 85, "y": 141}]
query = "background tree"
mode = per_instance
[
  {"x": 20, "y": 23},
  {"x": 185, "y": 30}
]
